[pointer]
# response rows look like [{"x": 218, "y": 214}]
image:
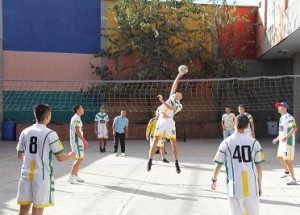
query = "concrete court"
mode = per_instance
[{"x": 121, "y": 185}]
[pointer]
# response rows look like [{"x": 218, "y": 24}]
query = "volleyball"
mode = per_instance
[{"x": 183, "y": 69}]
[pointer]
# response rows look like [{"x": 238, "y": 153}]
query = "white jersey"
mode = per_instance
[
  {"x": 286, "y": 124},
  {"x": 249, "y": 116},
  {"x": 173, "y": 102},
  {"x": 228, "y": 120},
  {"x": 102, "y": 120},
  {"x": 38, "y": 143},
  {"x": 75, "y": 123},
  {"x": 240, "y": 153}
]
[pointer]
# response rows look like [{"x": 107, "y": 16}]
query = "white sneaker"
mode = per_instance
[
  {"x": 116, "y": 154},
  {"x": 285, "y": 175},
  {"x": 78, "y": 179},
  {"x": 292, "y": 182},
  {"x": 72, "y": 180},
  {"x": 123, "y": 155}
]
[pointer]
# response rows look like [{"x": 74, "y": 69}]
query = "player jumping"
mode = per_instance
[{"x": 166, "y": 124}]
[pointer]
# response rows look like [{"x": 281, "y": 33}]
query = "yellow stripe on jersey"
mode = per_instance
[
  {"x": 293, "y": 123},
  {"x": 61, "y": 147},
  {"x": 32, "y": 169},
  {"x": 245, "y": 183},
  {"x": 165, "y": 110},
  {"x": 77, "y": 124},
  {"x": 262, "y": 156}
]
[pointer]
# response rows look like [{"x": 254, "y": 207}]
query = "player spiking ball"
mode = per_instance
[{"x": 166, "y": 124}]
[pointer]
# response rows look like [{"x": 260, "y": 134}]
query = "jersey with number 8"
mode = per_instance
[
  {"x": 240, "y": 153},
  {"x": 38, "y": 143}
]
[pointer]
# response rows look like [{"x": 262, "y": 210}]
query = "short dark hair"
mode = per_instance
[
  {"x": 228, "y": 107},
  {"x": 242, "y": 106},
  {"x": 40, "y": 111},
  {"x": 76, "y": 107},
  {"x": 242, "y": 121}
]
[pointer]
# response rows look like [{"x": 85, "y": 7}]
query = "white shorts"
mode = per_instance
[
  {"x": 102, "y": 132},
  {"x": 160, "y": 144},
  {"x": 39, "y": 192},
  {"x": 165, "y": 127},
  {"x": 241, "y": 206},
  {"x": 78, "y": 149},
  {"x": 286, "y": 151}
]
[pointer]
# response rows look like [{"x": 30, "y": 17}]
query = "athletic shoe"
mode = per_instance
[
  {"x": 285, "y": 175},
  {"x": 165, "y": 161},
  {"x": 116, "y": 154},
  {"x": 72, "y": 180},
  {"x": 123, "y": 155},
  {"x": 101, "y": 150},
  {"x": 149, "y": 165},
  {"x": 104, "y": 150},
  {"x": 177, "y": 168},
  {"x": 78, "y": 179},
  {"x": 292, "y": 182}
]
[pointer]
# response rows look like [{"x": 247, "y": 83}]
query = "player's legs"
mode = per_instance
[
  {"x": 75, "y": 167},
  {"x": 283, "y": 163},
  {"x": 100, "y": 144},
  {"x": 116, "y": 142},
  {"x": 163, "y": 156},
  {"x": 225, "y": 133},
  {"x": 122, "y": 142},
  {"x": 290, "y": 167},
  {"x": 152, "y": 151},
  {"x": 175, "y": 154},
  {"x": 24, "y": 209},
  {"x": 104, "y": 144},
  {"x": 37, "y": 211}
]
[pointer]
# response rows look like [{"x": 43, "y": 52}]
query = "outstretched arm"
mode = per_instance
[{"x": 175, "y": 83}]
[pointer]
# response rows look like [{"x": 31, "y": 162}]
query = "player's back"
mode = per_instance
[
  {"x": 242, "y": 152},
  {"x": 75, "y": 123},
  {"x": 35, "y": 143}
]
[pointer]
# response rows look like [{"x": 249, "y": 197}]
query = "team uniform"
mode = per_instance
[
  {"x": 228, "y": 120},
  {"x": 38, "y": 144},
  {"x": 240, "y": 153},
  {"x": 150, "y": 132},
  {"x": 76, "y": 143},
  {"x": 102, "y": 120},
  {"x": 286, "y": 149},
  {"x": 166, "y": 126},
  {"x": 249, "y": 116}
]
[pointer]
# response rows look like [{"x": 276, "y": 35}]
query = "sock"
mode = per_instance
[{"x": 176, "y": 162}]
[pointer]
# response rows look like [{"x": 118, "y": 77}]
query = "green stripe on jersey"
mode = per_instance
[{"x": 43, "y": 153}]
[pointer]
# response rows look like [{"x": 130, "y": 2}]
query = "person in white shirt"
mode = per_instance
[
  {"x": 78, "y": 143},
  {"x": 227, "y": 122},
  {"x": 36, "y": 147},
  {"x": 166, "y": 125},
  {"x": 101, "y": 128},
  {"x": 251, "y": 128},
  {"x": 286, "y": 139},
  {"x": 242, "y": 155}
]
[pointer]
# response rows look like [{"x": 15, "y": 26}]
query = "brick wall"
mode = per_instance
[{"x": 137, "y": 131}]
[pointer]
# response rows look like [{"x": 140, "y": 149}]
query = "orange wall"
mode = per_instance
[{"x": 48, "y": 66}]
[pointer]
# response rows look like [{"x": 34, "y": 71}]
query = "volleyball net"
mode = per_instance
[{"x": 258, "y": 93}]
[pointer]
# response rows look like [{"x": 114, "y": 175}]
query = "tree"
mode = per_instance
[{"x": 152, "y": 38}]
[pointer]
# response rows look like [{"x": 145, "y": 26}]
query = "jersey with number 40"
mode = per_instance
[
  {"x": 38, "y": 143},
  {"x": 240, "y": 152}
]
